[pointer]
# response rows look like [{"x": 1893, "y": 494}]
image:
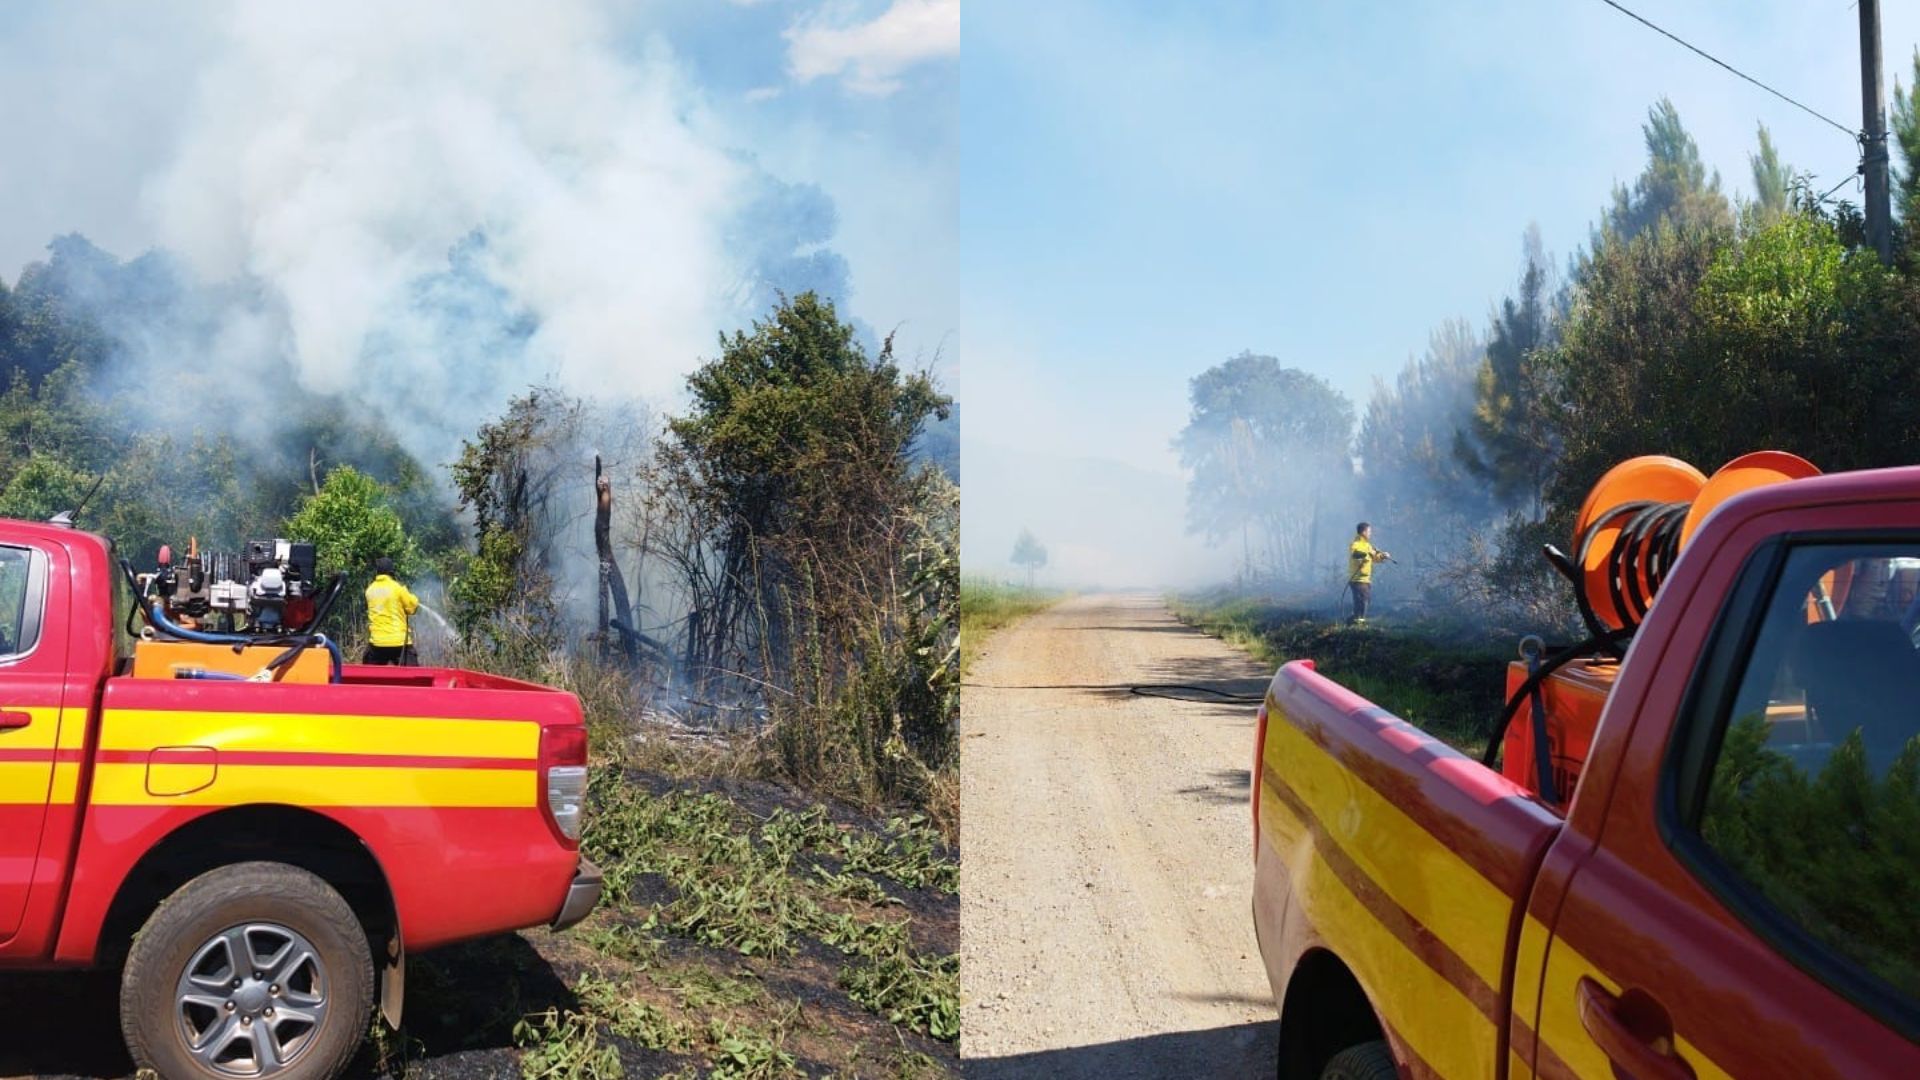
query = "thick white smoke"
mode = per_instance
[
  {"x": 422, "y": 209},
  {"x": 337, "y": 153}
]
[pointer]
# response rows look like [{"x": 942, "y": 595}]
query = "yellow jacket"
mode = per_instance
[
  {"x": 1359, "y": 562},
  {"x": 388, "y": 605}
]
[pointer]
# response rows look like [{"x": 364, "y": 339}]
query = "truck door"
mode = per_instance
[
  {"x": 33, "y": 661},
  {"x": 1750, "y": 908}
]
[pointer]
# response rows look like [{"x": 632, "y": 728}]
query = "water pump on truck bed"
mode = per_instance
[{"x": 252, "y": 614}]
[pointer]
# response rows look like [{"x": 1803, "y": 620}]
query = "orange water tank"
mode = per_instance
[
  {"x": 1573, "y": 696},
  {"x": 160, "y": 659}
]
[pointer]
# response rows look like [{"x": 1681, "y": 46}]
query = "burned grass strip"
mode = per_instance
[{"x": 1445, "y": 677}]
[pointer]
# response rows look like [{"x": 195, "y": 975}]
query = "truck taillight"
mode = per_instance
[
  {"x": 1259, "y": 755},
  {"x": 563, "y": 769}
]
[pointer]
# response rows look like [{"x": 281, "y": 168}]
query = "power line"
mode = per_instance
[
  {"x": 1850, "y": 133},
  {"x": 1843, "y": 183}
]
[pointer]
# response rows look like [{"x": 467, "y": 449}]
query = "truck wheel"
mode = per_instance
[
  {"x": 255, "y": 969},
  {"x": 1367, "y": 1061}
]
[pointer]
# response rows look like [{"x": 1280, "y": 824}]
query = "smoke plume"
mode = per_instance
[{"x": 417, "y": 209}]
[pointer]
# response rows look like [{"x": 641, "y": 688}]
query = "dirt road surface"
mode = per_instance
[{"x": 1105, "y": 867}]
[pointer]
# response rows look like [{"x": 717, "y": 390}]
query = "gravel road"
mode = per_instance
[{"x": 1105, "y": 869}]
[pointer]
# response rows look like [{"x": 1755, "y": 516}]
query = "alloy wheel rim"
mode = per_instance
[{"x": 251, "y": 1000}]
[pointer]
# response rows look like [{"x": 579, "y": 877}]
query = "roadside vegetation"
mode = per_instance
[
  {"x": 987, "y": 605},
  {"x": 1444, "y": 676}
]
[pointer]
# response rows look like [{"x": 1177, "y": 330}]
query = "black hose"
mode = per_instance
[
  {"x": 1551, "y": 664},
  {"x": 325, "y": 607},
  {"x": 1531, "y": 648},
  {"x": 139, "y": 597},
  {"x": 1643, "y": 553},
  {"x": 1176, "y": 692}
]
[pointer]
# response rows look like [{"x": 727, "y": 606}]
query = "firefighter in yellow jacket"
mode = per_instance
[
  {"x": 1360, "y": 559},
  {"x": 389, "y": 604}
]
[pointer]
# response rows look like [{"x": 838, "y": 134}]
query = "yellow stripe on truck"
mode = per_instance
[
  {"x": 66, "y": 783},
  {"x": 1439, "y": 1023},
  {"x": 1412, "y": 866},
  {"x": 116, "y": 784},
  {"x": 23, "y": 782},
  {"x": 73, "y": 728},
  {"x": 142, "y": 729}
]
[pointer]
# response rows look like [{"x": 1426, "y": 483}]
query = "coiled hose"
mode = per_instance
[{"x": 1643, "y": 553}]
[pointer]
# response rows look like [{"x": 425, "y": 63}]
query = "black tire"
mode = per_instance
[
  {"x": 1367, "y": 1061},
  {"x": 188, "y": 927}
]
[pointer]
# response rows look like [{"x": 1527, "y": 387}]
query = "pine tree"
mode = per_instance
[
  {"x": 1509, "y": 440},
  {"x": 1906, "y": 135},
  {"x": 1675, "y": 183},
  {"x": 1770, "y": 178}
]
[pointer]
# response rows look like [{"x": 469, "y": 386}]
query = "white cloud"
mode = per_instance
[{"x": 871, "y": 56}]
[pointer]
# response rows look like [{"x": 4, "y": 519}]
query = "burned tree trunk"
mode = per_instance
[{"x": 612, "y": 584}]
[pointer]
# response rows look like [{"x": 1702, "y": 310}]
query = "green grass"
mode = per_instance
[
  {"x": 987, "y": 605},
  {"x": 1447, "y": 678}
]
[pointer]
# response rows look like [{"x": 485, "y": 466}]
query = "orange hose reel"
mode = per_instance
[{"x": 1655, "y": 505}]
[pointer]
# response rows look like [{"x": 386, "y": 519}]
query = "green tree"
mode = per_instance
[
  {"x": 1905, "y": 132},
  {"x": 1771, "y": 178},
  {"x": 350, "y": 525},
  {"x": 1631, "y": 320},
  {"x": 1675, "y": 183},
  {"x": 1030, "y": 553},
  {"x": 42, "y": 487},
  {"x": 1267, "y": 447},
  {"x": 507, "y": 477},
  {"x": 1804, "y": 341},
  {"x": 817, "y": 552},
  {"x": 796, "y": 453},
  {"x": 1705, "y": 343},
  {"x": 1509, "y": 440}
]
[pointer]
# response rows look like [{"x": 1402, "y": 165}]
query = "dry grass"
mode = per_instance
[{"x": 986, "y": 606}]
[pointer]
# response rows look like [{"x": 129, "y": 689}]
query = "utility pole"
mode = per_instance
[{"x": 1873, "y": 139}]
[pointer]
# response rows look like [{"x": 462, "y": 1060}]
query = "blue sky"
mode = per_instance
[
  {"x": 1147, "y": 188},
  {"x": 888, "y": 155}
]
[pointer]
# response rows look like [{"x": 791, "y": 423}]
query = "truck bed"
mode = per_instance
[
  {"x": 1414, "y": 857},
  {"x": 446, "y": 780},
  {"x": 434, "y": 677}
]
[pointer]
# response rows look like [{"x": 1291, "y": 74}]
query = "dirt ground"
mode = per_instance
[{"x": 1105, "y": 853}]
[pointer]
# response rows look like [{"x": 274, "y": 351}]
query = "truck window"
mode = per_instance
[
  {"x": 21, "y": 592},
  {"x": 1812, "y": 800}
]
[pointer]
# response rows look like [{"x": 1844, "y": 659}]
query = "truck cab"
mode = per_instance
[{"x": 1724, "y": 885}]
